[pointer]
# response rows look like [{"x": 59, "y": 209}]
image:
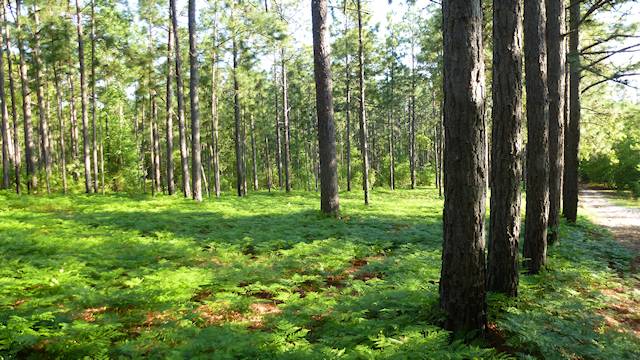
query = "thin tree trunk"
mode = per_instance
[
  {"x": 347, "y": 107},
  {"x": 214, "y": 117},
  {"x": 6, "y": 136},
  {"x": 537, "y": 202},
  {"x": 254, "y": 155},
  {"x": 462, "y": 280},
  {"x": 285, "y": 117},
  {"x": 570, "y": 188},
  {"x": 361, "y": 113},
  {"x": 329, "y": 199},
  {"x": 44, "y": 124},
  {"x": 267, "y": 163},
  {"x": 171, "y": 187},
  {"x": 506, "y": 171},
  {"x": 32, "y": 180},
  {"x": 83, "y": 95},
  {"x": 63, "y": 151},
  {"x": 184, "y": 155},
  {"x": 17, "y": 158},
  {"x": 392, "y": 164},
  {"x": 412, "y": 123},
  {"x": 556, "y": 71},
  {"x": 73, "y": 118},
  {"x": 278, "y": 135},
  {"x": 94, "y": 126},
  {"x": 193, "y": 95},
  {"x": 157, "y": 177}
]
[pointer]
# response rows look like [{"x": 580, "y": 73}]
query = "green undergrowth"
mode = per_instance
[{"x": 267, "y": 277}]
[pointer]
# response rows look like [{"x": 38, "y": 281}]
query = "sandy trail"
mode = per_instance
[{"x": 623, "y": 222}]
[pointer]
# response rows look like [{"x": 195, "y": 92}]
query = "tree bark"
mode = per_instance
[
  {"x": 329, "y": 198},
  {"x": 362, "y": 111},
  {"x": 462, "y": 280},
  {"x": 267, "y": 163},
  {"x": 347, "y": 100},
  {"x": 17, "y": 157},
  {"x": 215, "y": 148},
  {"x": 193, "y": 95},
  {"x": 537, "y": 209},
  {"x": 171, "y": 186},
  {"x": 556, "y": 84},
  {"x": 73, "y": 118},
  {"x": 157, "y": 180},
  {"x": 6, "y": 136},
  {"x": 285, "y": 123},
  {"x": 63, "y": 150},
  {"x": 254, "y": 155},
  {"x": 570, "y": 188},
  {"x": 240, "y": 176},
  {"x": 45, "y": 147},
  {"x": 412, "y": 114},
  {"x": 32, "y": 179},
  {"x": 94, "y": 126},
  {"x": 506, "y": 171},
  {"x": 184, "y": 154}
]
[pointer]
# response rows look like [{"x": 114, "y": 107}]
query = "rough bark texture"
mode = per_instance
[
  {"x": 555, "y": 81},
  {"x": 240, "y": 180},
  {"x": 362, "y": 111},
  {"x": 32, "y": 179},
  {"x": 285, "y": 124},
  {"x": 63, "y": 150},
  {"x": 535, "y": 239},
  {"x": 329, "y": 201},
  {"x": 17, "y": 157},
  {"x": 506, "y": 170},
  {"x": 184, "y": 154},
  {"x": 570, "y": 188},
  {"x": 347, "y": 100},
  {"x": 45, "y": 146},
  {"x": 196, "y": 161},
  {"x": 171, "y": 187},
  {"x": 462, "y": 280}
]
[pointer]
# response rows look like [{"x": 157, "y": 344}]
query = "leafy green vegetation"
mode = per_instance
[{"x": 267, "y": 277}]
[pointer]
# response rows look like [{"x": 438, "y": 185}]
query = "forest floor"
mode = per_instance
[{"x": 266, "y": 277}]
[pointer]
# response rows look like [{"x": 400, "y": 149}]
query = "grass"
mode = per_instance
[
  {"x": 267, "y": 277},
  {"x": 624, "y": 199}
]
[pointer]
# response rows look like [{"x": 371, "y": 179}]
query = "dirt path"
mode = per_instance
[{"x": 622, "y": 221}]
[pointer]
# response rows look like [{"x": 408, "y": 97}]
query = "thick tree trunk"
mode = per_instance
[
  {"x": 556, "y": 84},
  {"x": 570, "y": 188},
  {"x": 94, "y": 126},
  {"x": 171, "y": 186},
  {"x": 240, "y": 176},
  {"x": 362, "y": 111},
  {"x": 537, "y": 212},
  {"x": 462, "y": 280},
  {"x": 506, "y": 171},
  {"x": 63, "y": 150},
  {"x": 17, "y": 157},
  {"x": 32, "y": 179},
  {"x": 285, "y": 123},
  {"x": 193, "y": 94},
  {"x": 329, "y": 200},
  {"x": 45, "y": 147},
  {"x": 184, "y": 154}
]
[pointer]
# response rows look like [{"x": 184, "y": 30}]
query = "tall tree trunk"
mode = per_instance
[
  {"x": 193, "y": 95},
  {"x": 32, "y": 179},
  {"x": 267, "y": 162},
  {"x": 184, "y": 154},
  {"x": 240, "y": 176},
  {"x": 6, "y": 136},
  {"x": 329, "y": 199},
  {"x": 285, "y": 123},
  {"x": 506, "y": 171},
  {"x": 462, "y": 280},
  {"x": 392, "y": 162},
  {"x": 155, "y": 151},
  {"x": 17, "y": 158},
  {"x": 535, "y": 239},
  {"x": 83, "y": 95},
  {"x": 362, "y": 111},
  {"x": 347, "y": 107},
  {"x": 254, "y": 155},
  {"x": 73, "y": 118},
  {"x": 215, "y": 148},
  {"x": 94, "y": 126},
  {"x": 44, "y": 123},
  {"x": 278, "y": 135},
  {"x": 412, "y": 114},
  {"x": 171, "y": 187},
  {"x": 556, "y": 71},
  {"x": 63, "y": 150},
  {"x": 570, "y": 188}
]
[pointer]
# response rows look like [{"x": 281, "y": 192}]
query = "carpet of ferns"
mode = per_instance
[{"x": 267, "y": 277}]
